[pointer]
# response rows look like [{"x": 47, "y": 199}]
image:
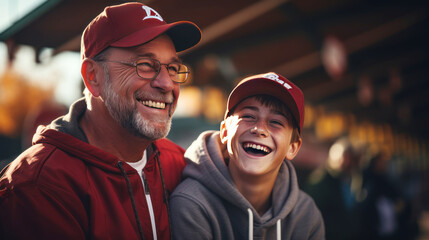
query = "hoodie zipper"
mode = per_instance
[
  {"x": 149, "y": 205},
  {"x": 146, "y": 186},
  {"x": 146, "y": 190}
]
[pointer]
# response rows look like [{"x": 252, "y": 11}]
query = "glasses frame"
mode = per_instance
[{"x": 136, "y": 64}]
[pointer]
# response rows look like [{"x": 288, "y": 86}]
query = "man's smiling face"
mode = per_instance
[{"x": 143, "y": 107}]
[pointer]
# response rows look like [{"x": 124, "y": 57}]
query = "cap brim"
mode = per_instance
[
  {"x": 263, "y": 86},
  {"x": 184, "y": 35}
]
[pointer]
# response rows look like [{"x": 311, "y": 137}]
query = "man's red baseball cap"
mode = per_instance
[
  {"x": 132, "y": 24},
  {"x": 272, "y": 84}
]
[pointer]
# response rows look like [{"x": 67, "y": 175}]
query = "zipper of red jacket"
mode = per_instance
[
  {"x": 164, "y": 189},
  {"x": 146, "y": 190},
  {"x": 149, "y": 205}
]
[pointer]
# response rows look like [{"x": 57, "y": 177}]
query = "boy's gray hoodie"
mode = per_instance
[{"x": 206, "y": 205}]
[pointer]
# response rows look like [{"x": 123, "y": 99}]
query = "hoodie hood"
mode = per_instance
[
  {"x": 73, "y": 146},
  {"x": 65, "y": 133},
  {"x": 206, "y": 164}
]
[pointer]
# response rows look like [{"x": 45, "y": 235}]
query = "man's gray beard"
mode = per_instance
[{"x": 127, "y": 115}]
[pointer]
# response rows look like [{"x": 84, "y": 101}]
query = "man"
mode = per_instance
[
  {"x": 104, "y": 171},
  {"x": 239, "y": 182}
]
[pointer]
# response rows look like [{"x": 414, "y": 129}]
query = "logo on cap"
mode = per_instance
[
  {"x": 149, "y": 11},
  {"x": 275, "y": 77}
]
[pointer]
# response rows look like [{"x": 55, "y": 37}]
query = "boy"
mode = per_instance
[{"x": 238, "y": 182}]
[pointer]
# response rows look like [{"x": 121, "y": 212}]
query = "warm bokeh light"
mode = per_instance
[
  {"x": 17, "y": 98},
  {"x": 189, "y": 103},
  {"x": 336, "y": 156}
]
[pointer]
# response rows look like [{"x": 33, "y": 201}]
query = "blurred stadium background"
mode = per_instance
[{"x": 362, "y": 65}]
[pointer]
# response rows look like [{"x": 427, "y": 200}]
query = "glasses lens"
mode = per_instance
[
  {"x": 147, "y": 68},
  {"x": 178, "y": 72}
]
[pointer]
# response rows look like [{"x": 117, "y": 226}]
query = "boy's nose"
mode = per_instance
[{"x": 259, "y": 131}]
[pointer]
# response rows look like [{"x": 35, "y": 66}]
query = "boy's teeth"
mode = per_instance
[
  {"x": 257, "y": 147},
  {"x": 153, "y": 104}
]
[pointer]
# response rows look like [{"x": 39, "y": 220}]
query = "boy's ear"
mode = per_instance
[
  {"x": 89, "y": 70},
  {"x": 223, "y": 132},
  {"x": 293, "y": 149}
]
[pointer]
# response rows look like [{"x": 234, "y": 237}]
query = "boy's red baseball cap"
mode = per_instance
[
  {"x": 272, "y": 84},
  {"x": 132, "y": 24}
]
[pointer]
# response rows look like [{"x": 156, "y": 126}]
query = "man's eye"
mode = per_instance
[
  {"x": 173, "y": 68},
  {"x": 145, "y": 65}
]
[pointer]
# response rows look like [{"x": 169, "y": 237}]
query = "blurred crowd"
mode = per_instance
[{"x": 362, "y": 197}]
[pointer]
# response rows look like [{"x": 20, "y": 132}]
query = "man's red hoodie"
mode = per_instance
[{"x": 64, "y": 188}]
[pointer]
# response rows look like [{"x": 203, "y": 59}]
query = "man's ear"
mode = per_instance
[
  {"x": 293, "y": 149},
  {"x": 89, "y": 71},
  {"x": 223, "y": 132}
]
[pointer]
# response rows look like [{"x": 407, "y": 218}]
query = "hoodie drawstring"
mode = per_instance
[
  {"x": 133, "y": 202},
  {"x": 250, "y": 223},
  {"x": 278, "y": 226}
]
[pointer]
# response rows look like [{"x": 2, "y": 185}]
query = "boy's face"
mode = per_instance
[{"x": 258, "y": 138}]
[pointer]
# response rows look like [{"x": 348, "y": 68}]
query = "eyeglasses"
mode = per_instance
[{"x": 149, "y": 68}]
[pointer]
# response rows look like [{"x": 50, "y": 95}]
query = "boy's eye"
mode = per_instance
[
  {"x": 277, "y": 123},
  {"x": 246, "y": 116}
]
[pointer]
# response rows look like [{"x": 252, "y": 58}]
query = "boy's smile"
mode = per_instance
[
  {"x": 256, "y": 149},
  {"x": 258, "y": 138}
]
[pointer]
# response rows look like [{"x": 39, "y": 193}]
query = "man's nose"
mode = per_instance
[{"x": 163, "y": 80}]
